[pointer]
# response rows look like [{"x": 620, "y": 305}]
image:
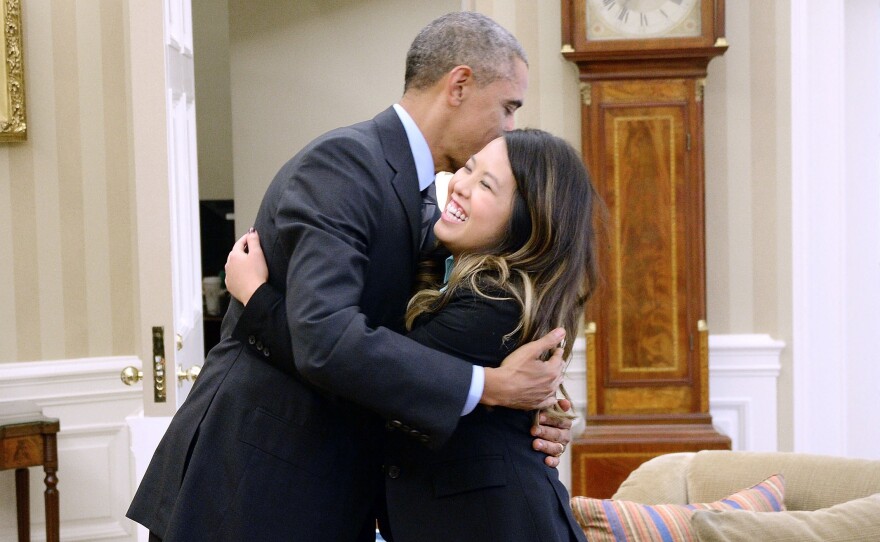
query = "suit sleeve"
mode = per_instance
[
  {"x": 470, "y": 327},
  {"x": 332, "y": 207},
  {"x": 263, "y": 327}
]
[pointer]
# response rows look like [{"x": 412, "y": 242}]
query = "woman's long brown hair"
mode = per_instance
[{"x": 547, "y": 258}]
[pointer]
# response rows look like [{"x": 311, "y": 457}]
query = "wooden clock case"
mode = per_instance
[{"x": 647, "y": 336}]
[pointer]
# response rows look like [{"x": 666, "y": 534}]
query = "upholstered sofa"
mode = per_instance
[{"x": 822, "y": 498}]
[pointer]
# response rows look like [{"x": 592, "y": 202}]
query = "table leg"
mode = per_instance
[
  {"x": 22, "y": 504},
  {"x": 50, "y": 465}
]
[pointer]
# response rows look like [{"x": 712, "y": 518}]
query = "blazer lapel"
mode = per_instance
[{"x": 406, "y": 181}]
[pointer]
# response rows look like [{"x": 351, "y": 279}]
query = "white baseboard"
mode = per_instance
[
  {"x": 743, "y": 374},
  {"x": 95, "y": 481}
]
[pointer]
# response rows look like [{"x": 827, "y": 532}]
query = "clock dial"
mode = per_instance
[{"x": 642, "y": 19}]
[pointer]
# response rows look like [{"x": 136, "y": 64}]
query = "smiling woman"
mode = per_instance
[{"x": 12, "y": 112}]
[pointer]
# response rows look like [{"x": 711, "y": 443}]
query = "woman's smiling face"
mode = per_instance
[{"x": 480, "y": 202}]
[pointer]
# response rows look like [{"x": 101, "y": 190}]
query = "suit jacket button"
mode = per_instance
[
  {"x": 395, "y": 423},
  {"x": 266, "y": 351},
  {"x": 393, "y": 471},
  {"x": 259, "y": 345},
  {"x": 415, "y": 433},
  {"x": 389, "y": 426},
  {"x": 252, "y": 339},
  {"x": 425, "y": 439}
]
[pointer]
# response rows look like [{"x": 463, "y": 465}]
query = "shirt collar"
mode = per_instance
[
  {"x": 419, "y": 146},
  {"x": 450, "y": 263}
]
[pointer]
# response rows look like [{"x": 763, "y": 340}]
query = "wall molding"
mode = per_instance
[
  {"x": 732, "y": 416},
  {"x": 92, "y": 404},
  {"x": 743, "y": 389},
  {"x": 743, "y": 375},
  {"x": 66, "y": 378}
]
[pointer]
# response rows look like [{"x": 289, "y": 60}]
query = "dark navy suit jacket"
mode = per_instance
[{"x": 258, "y": 454}]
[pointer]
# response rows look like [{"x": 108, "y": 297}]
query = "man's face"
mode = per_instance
[{"x": 485, "y": 113}]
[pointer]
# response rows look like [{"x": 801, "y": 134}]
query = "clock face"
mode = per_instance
[{"x": 642, "y": 19}]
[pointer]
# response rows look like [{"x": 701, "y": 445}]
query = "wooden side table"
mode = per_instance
[{"x": 30, "y": 442}]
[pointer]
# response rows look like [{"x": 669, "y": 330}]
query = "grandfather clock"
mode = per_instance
[{"x": 642, "y": 67}]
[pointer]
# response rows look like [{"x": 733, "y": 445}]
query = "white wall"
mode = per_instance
[
  {"x": 836, "y": 229},
  {"x": 214, "y": 105},
  {"x": 301, "y": 68}
]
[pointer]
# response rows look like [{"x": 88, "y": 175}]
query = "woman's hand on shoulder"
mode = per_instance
[{"x": 246, "y": 268}]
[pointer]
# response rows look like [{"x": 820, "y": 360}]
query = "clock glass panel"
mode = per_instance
[{"x": 642, "y": 19}]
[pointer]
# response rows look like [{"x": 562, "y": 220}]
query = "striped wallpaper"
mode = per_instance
[{"x": 66, "y": 225}]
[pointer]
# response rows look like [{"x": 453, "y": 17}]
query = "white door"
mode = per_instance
[
  {"x": 166, "y": 186},
  {"x": 183, "y": 182},
  {"x": 169, "y": 268}
]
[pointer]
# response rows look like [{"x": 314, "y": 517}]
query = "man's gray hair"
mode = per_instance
[{"x": 461, "y": 38}]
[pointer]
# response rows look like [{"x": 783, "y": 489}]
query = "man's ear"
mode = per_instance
[{"x": 457, "y": 82}]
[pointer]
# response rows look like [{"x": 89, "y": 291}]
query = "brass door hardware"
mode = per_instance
[
  {"x": 131, "y": 375},
  {"x": 159, "y": 384},
  {"x": 191, "y": 374}
]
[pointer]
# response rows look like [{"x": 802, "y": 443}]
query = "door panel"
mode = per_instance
[
  {"x": 169, "y": 299},
  {"x": 183, "y": 191},
  {"x": 163, "y": 123}
]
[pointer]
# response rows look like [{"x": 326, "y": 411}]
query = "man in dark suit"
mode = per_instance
[{"x": 259, "y": 454}]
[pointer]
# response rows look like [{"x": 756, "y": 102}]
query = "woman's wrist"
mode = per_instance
[{"x": 249, "y": 292}]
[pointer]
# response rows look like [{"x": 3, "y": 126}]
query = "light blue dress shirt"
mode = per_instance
[{"x": 425, "y": 169}]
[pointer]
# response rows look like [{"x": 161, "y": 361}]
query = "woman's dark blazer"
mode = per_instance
[
  {"x": 255, "y": 454},
  {"x": 486, "y": 482}
]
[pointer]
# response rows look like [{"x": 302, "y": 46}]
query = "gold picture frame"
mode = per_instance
[{"x": 13, "y": 125}]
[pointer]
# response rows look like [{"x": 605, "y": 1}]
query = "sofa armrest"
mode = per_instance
[{"x": 661, "y": 480}]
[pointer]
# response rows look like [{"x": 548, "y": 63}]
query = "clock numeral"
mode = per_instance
[
  {"x": 643, "y": 19},
  {"x": 664, "y": 13},
  {"x": 609, "y": 3},
  {"x": 623, "y": 15}
]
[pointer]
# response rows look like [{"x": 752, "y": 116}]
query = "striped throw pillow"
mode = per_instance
[{"x": 606, "y": 520}]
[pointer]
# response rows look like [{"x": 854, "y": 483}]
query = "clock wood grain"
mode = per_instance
[{"x": 642, "y": 139}]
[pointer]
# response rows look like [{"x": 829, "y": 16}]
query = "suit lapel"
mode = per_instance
[{"x": 405, "y": 183}]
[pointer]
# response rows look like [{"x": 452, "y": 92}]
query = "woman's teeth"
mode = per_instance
[{"x": 454, "y": 210}]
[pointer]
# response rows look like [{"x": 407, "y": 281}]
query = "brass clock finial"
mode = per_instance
[{"x": 586, "y": 93}]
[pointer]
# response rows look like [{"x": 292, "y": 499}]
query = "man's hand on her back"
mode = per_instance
[
  {"x": 553, "y": 435},
  {"x": 524, "y": 381}
]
